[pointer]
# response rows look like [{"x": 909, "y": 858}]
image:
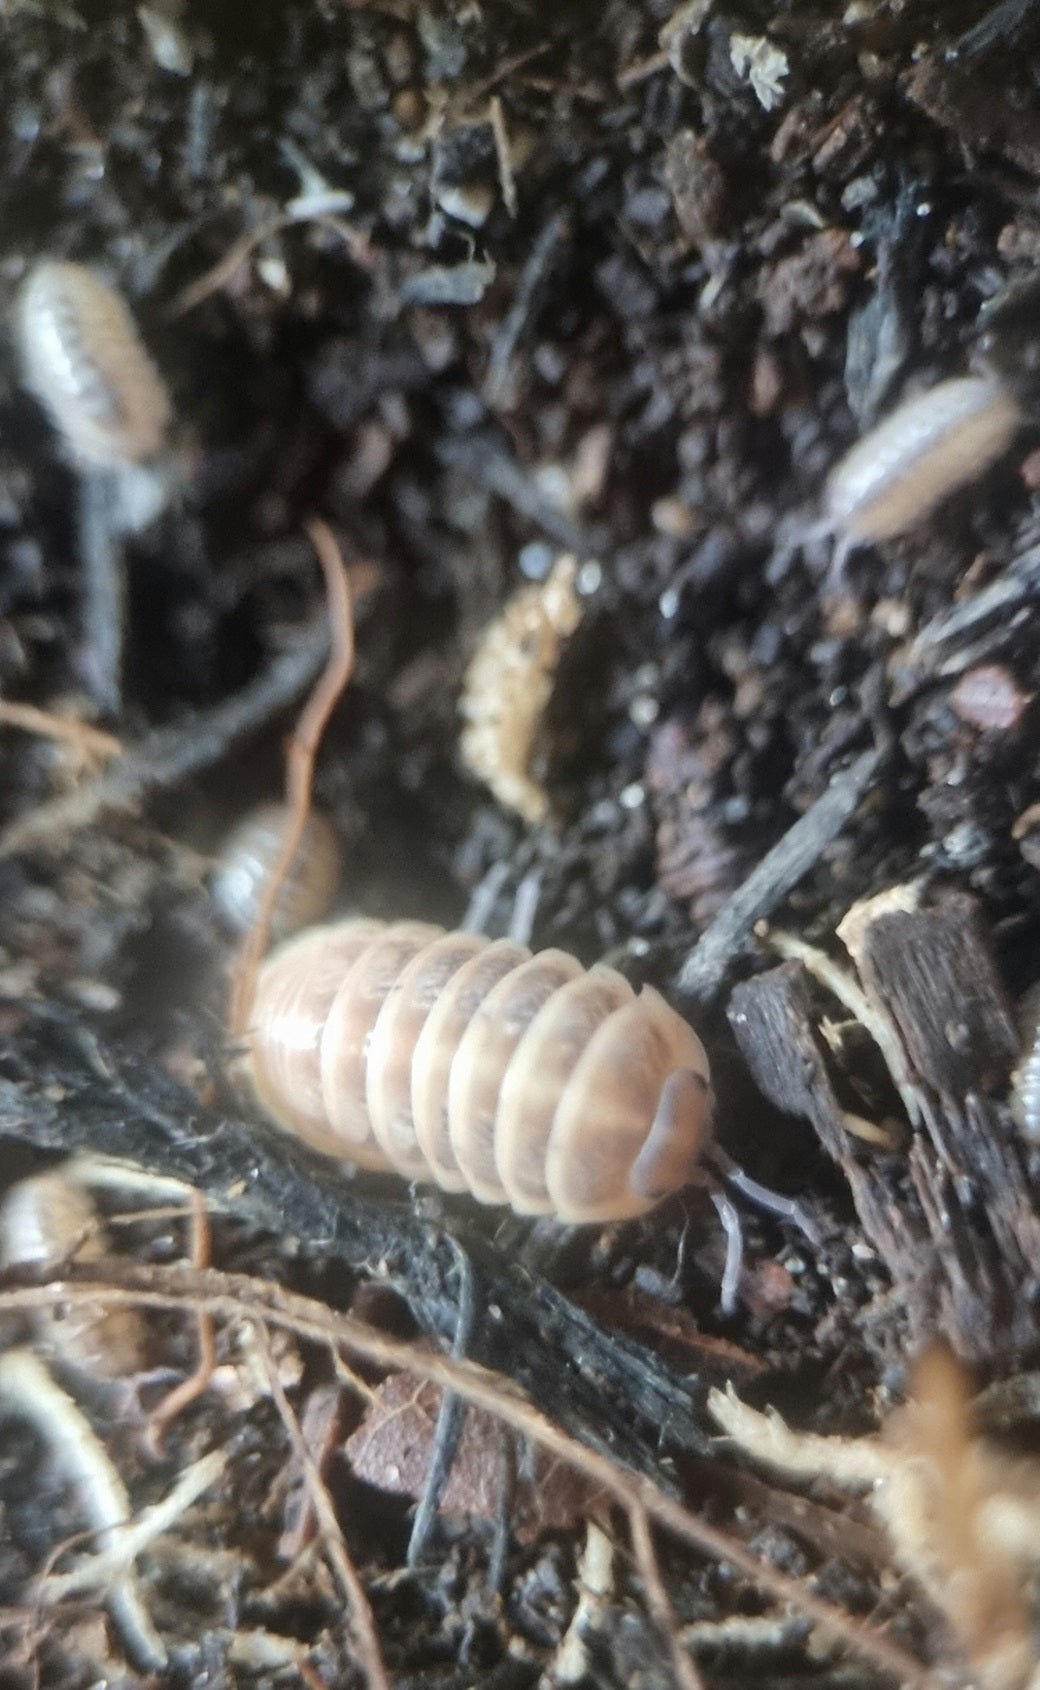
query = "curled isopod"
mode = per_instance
[
  {"x": 83, "y": 359},
  {"x": 920, "y": 453},
  {"x": 523, "y": 1079},
  {"x": 248, "y": 857},
  {"x": 50, "y": 1219}
]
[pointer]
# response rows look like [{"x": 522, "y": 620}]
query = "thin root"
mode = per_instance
[
  {"x": 333, "y": 1541},
  {"x": 238, "y": 1297},
  {"x": 299, "y": 765},
  {"x": 91, "y": 746},
  {"x": 197, "y": 1383}
]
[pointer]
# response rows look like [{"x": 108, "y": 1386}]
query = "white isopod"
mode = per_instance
[
  {"x": 50, "y": 1219},
  {"x": 468, "y": 1062},
  {"x": 250, "y": 853},
  {"x": 918, "y": 455},
  {"x": 83, "y": 358}
]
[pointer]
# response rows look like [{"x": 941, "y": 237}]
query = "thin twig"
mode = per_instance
[
  {"x": 103, "y": 612},
  {"x": 642, "y": 69},
  {"x": 166, "y": 756},
  {"x": 299, "y": 764},
  {"x": 686, "y": 1674},
  {"x": 778, "y": 873},
  {"x": 198, "y": 1382},
  {"x": 334, "y": 1543},
  {"x": 450, "y": 1417},
  {"x": 234, "y": 1297},
  {"x": 92, "y": 744},
  {"x": 28, "y": 1389},
  {"x": 220, "y": 273},
  {"x": 529, "y": 291},
  {"x": 127, "y": 1543}
]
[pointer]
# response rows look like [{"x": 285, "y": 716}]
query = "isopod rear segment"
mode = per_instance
[{"x": 523, "y": 1079}]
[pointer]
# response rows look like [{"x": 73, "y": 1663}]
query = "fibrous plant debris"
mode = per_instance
[{"x": 963, "y": 1519}]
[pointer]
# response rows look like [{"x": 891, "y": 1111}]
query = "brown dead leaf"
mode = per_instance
[{"x": 393, "y": 1447}]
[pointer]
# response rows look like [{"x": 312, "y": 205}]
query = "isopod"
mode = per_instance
[
  {"x": 1025, "y": 1096},
  {"x": 84, "y": 360},
  {"x": 524, "y": 1079},
  {"x": 509, "y": 683},
  {"x": 918, "y": 455},
  {"x": 250, "y": 853},
  {"x": 50, "y": 1218}
]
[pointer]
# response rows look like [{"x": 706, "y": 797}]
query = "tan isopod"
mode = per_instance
[
  {"x": 83, "y": 359},
  {"x": 50, "y": 1219},
  {"x": 248, "y": 857},
  {"x": 918, "y": 455},
  {"x": 447, "y": 1057}
]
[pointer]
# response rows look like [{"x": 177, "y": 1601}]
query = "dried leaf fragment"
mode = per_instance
[{"x": 393, "y": 1447}]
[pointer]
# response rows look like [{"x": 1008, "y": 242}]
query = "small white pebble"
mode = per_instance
[{"x": 590, "y": 578}]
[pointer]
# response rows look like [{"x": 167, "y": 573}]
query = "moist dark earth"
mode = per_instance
[{"x": 622, "y": 280}]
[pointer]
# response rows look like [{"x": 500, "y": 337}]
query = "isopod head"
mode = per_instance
[{"x": 83, "y": 359}]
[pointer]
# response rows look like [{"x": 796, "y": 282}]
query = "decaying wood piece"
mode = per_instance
[{"x": 952, "y": 1218}]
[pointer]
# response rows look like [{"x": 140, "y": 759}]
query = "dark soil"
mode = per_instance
[{"x": 641, "y": 323}]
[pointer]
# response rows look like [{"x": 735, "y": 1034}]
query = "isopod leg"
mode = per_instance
[
  {"x": 763, "y": 1197},
  {"x": 450, "y": 1417},
  {"x": 734, "y": 1251}
]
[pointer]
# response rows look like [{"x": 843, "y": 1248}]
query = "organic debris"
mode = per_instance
[{"x": 963, "y": 1519}]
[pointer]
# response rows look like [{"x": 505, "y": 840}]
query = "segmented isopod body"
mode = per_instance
[
  {"x": 84, "y": 360},
  {"x": 523, "y": 1079},
  {"x": 50, "y": 1218},
  {"x": 248, "y": 857},
  {"x": 923, "y": 451}
]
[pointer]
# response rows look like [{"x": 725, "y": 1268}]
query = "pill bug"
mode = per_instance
[
  {"x": 523, "y": 1079},
  {"x": 248, "y": 857},
  {"x": 920, "y": 453},
  {"x": 49, "y": 1218},
  {"x": 83, "y": 358}
]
